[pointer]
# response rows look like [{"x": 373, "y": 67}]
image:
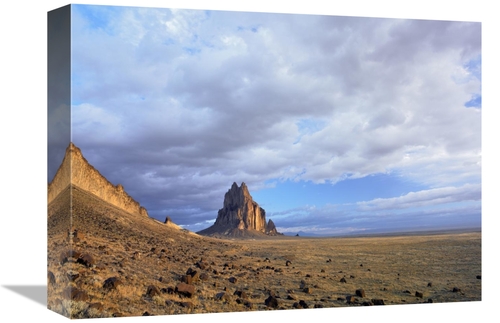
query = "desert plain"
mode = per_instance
[{"x": 105, "y": 262}]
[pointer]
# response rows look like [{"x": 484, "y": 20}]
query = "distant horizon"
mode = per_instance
[{"x": 336, "y": 124}]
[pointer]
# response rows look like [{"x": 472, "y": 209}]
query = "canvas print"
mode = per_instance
[{"x": 204, "y": 161}]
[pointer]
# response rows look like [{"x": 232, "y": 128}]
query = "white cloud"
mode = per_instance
[
  {"x": 432, "y": 197},
  {"x": 208, "y": 98}
]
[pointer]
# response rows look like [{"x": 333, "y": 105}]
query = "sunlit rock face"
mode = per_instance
[
  {"x": 240, "y": 215},
  {"x": 76, "y": 171},
  {"x": 240, "y": 211}
]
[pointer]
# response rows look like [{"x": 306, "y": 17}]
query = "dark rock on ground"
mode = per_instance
[
  {"x": 271, "y": 301},
  {"x": 223, "y": 296},
  {"x": 152, "y": 291},
  {"x": 86, "y": 259},
  {"x": 51, "y": 278},
  {"x": 351, "y": 299},
  {"x": 111, "y": 283},
  {"x": 185, "y": 289},
  {"x": 241, "y": 294},
  {"x": 187, "y": 305},
  {"x": 75, "y": 294},
  {"x": 360, "y": 292},
  {"x": 96, "y": 306}
]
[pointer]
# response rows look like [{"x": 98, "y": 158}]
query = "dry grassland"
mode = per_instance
[{"x": 123, "y": 265}]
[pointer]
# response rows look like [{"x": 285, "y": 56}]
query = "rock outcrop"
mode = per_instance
[
  {"x": 76, "y": 171},
  {"x": 271, "y": 228},
  {"x": 240, "y": 215}
]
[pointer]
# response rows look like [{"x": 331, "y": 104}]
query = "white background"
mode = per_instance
[{"x": 23, "y": 158}]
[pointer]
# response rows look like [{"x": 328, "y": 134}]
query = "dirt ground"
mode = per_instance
[{"x": 116, "y": 264}]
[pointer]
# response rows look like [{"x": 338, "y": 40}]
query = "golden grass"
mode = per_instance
[{"x": 391, "y": 269}]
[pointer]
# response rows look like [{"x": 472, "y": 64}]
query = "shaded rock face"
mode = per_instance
[
  {"x": 271, "y": 228},
  {"x": 75, "y": 170},
  {"x": 240, "y": 214}
]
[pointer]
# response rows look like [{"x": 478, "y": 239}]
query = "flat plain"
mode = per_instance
[{"x": 104, "y": 262}]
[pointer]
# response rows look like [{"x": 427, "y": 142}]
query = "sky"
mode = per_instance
[{"x": 338, "y": 125}]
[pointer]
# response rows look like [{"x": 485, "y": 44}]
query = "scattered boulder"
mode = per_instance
[
  {"x": 232, "y": 280},
  {"x": 203, "y": 265},
  {"x": 191, "y": 276},
  {"x": 185, "y": 289},
  {"x": 360, "y": 292},
  {"x": 419, "y": 294},
  {"x": 377, "y": 301},
  {"x": 111, "y": 283},
  {"x": 223, "y": 296},
  {"x": 68, "y": 255},
  {"x": 343, "y": 280},
  {"x": 456, "y": 290},
  {"x": 351, "y": 299},
  {"x": 271, "y": 301},
  {"x": 51, "y": 278},
  {"x": 152, "y": 291},
  {"x": 75, "y": 294},
  {"x": 245, "y": 302},
  {"x": 86, "y": 259},
  {"x": 241, "y": 294},
  {"x": 96, "y": 306},
  {"x": 189, "y": 305}
]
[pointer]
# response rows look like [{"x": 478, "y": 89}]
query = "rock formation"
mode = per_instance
[
  {"x": 240, "y": 215},
  {"x": 76, "y": 171},
  {"x": 271, "y": 228}
]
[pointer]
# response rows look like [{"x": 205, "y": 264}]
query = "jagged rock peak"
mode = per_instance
[
  {"x": 75, "y": 170},
  {"x": 271, "y": 227},
  {"x": 240, "y": 214}
]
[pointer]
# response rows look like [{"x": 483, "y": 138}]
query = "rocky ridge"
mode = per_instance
[
  {"x": 240, "y": 216},
  {"x": 76, "y": 171}
]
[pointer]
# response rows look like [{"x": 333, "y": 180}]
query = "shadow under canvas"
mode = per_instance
[{"x": 37, "y": 293}]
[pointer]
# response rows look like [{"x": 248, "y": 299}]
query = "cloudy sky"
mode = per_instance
[{"x": 337, "y": 125}]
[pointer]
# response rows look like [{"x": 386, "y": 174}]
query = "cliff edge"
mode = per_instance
[{"x": 75, "y": 170}]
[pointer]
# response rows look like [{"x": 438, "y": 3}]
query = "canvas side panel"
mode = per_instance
[{"x": 59, "y": 244}]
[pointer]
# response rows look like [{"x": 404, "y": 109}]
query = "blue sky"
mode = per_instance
[{"x": 337, "y": 125}]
